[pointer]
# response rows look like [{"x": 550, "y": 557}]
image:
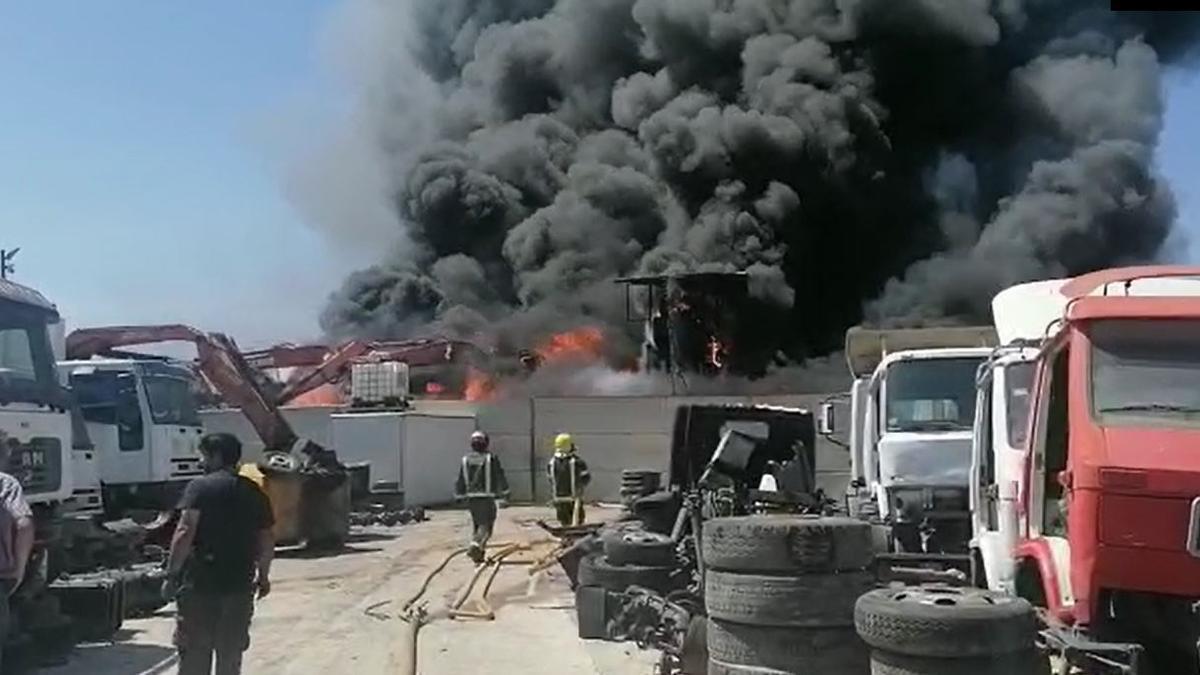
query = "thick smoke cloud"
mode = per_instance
[{"x": 894, "y": 162}]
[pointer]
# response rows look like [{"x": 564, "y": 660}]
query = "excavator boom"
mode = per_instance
[
  {"x": 333, "y": 368},
  {"x": 220, "y": 362}
]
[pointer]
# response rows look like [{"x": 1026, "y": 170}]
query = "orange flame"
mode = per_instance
[
  {"x": 479, "y": 386},
  {"x": 580, "y": 344}
]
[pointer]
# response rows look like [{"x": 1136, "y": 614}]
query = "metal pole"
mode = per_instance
[{"x": 533, "y": 468}]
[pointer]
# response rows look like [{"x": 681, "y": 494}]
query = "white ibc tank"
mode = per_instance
[{"x": 378, "y": 382}]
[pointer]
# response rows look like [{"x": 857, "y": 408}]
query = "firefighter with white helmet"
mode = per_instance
[
  {"x": 481, "y": 482},
  {"x": 569, "y": 476}
]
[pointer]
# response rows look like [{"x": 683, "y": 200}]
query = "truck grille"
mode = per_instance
[
  {"x": 186, "y": 467},
  {"x": 37, "y": 464}
]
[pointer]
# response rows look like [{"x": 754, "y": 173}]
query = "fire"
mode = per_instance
[
  {"x": 716, "y": 353},
  {"x": 580, "y": 344},
  {"x": 479, "y": 386}
]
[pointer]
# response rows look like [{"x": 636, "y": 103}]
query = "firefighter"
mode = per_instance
[
  {"x": 481, "y": 482},
  {"x": 568, "y": 477}
]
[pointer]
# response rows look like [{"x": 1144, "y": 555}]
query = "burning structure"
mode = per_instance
[
  {"x": 690, "y": 322},
  {"x": 317, "y": 374}
]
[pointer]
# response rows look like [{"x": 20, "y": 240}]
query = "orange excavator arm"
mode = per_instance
[
  {"x": 330, "y": 370},
  {"x": 220, "y": 362},
  {"x": 334, "y": 366}
]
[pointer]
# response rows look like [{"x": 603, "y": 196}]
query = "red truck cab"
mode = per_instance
[{"x": 1111, "y": 497}]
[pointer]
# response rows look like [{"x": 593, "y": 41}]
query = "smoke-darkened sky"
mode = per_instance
[
  {"x": 133, "y": 175},
  {"x": 896, "y": 163}
]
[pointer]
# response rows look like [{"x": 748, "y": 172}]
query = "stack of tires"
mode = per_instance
[
  {"x": 938, "y": 630},
  {"x": 631, "y": 557},
  {"x": 780, "y": 593},
  {"x": 637, "y": 483},
  {"x": 657, "y": 512}
]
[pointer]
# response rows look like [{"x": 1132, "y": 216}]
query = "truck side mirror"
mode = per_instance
[{"x": 826, "y": 423}]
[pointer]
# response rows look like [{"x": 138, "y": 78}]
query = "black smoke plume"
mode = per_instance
[{"x": 893, "y": 161}]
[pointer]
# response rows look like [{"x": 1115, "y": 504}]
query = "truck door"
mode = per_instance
[
  {"x": 173, "y": 428},
  {"x": 983, "y": 466},
  {"x": 1048, "y": 506},
  {"x": 112, "y": 405}
]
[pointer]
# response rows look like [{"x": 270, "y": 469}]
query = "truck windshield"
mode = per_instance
[
  {"x": 931, "y": 394},
  {"x": 1146, "y": 370},
  {"x": 97, "y": 395},
  {"x": 1018, "y": 384},
  {"x": 27, "y": 371},
  {"x": 171, "y": 401}
]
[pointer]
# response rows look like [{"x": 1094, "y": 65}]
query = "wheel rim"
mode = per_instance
[{"x": 948, "y": 596}]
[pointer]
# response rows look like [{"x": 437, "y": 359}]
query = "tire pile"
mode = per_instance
[
  {"x": 631, "y": 556},
  {"x": 387, "y": 517},
  {"x": 936, "y": 630},
  {"x": 657, "y": 511},
  {"x": 781, "y": 591},
  {"x": 637, "y": 483}
]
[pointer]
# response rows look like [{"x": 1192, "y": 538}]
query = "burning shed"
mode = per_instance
[{"x": 692, "y": 322}]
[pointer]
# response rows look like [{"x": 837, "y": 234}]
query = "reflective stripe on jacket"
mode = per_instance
[
  {"x": 568, "y": 476},
  {"x": 481, "y": 476}
]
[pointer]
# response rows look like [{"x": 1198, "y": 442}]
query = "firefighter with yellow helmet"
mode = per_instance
[{"x": 569, "y": 476}]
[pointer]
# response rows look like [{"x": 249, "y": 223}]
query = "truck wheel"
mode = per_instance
[
  {"x": 594, "y": 570},
  {"x": 658, "y": 511},
  {"x": 1027, "y": 663},
  {"x": 821, "y": 650},
  {"x": 787, "y": 544},
  {"x": 813, "y": 600},
  {"x": 640, "y": 548},
  {"x": 944, "y": 622},
  {"x": 716, "y": 667},
  {"x": 636, "y": 484}
]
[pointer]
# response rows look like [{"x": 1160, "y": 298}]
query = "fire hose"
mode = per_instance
[{"x": 414, "y": 614}]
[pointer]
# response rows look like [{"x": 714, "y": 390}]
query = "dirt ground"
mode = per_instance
[{"x": 335, "y": 614}]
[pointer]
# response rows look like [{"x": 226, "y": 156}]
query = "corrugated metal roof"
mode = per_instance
[{"x": 14, "y": 292}]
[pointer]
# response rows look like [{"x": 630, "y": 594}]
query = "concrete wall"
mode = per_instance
[
  {"x": 311, "y": 423},
  {"x": 433, "y": 450},
  {"x": 613, "y": 433}
]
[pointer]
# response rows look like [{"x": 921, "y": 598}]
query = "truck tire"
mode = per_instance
[
  {"x": 658, "y": 511},
  {"x": 594, "y": 570},
  {"x": 636, "y": 484},
  {"x": 787, "y": 544},
  {"x": 1027, "y": 663},
  {"x": 694, "y": 659},
  {"x": 790, "y": 650},
  {"x": 944, "y": 622},
  {"x": 639, "y": 547},
  {"x": 808, "y": 601},
  {"x": 721, "y": 668}
]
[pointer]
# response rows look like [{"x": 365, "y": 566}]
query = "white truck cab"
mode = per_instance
[
  {"x": 998, "y": 461},
  {"x": 142, "y": 417},
  {"x": 1023, "y": 315},
  {"x": 912, "y": 412},
  {"x": 35, "y": 419}
]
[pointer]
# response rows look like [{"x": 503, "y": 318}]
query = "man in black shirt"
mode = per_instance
[{"x": 220, "y": 555}]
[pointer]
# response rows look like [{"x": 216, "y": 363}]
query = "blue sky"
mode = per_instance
[
  {"x": 134, "y": 172},
  {"x": 135, "y": 168}
]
